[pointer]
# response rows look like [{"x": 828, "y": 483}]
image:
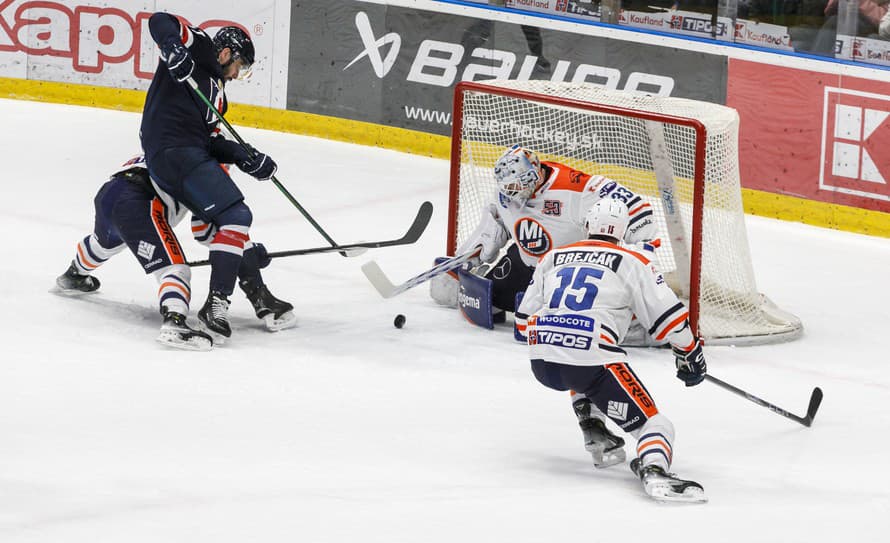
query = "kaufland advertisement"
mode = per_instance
[
  {"x": 813, "y": 135},
  {"x": 108, "y": 43}
]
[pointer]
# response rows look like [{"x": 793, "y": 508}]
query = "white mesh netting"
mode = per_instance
[{"x": 620, "y": 146}]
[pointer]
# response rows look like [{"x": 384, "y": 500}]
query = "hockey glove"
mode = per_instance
[
  {"x": 178, "y": 58},
  {"x": 262, "y": 255},
  {"x": 258, "y": 165},
  {"x": 493, "y": 237},
  {"x": 691, "y": 366}
]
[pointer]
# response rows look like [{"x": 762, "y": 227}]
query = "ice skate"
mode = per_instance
[
  {"x": 276, "y": 314},
  {"x": 214, "y": 317},
  {"x": 176, "y": 333},
  {"x": 72, "y": 282},
  {"x": 667, "y": 487},
  {"x": 606, "y": 448}
]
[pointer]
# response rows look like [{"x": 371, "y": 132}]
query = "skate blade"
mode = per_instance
[
  {"x": 218, "y": 339},
  {"x": 603, "y": 459},
  {"x": 71, "y": 292},
  {"x": 667, "y": 494},
  {"x": 285, "y": 321},
  {"x": 174, "y": 339}
]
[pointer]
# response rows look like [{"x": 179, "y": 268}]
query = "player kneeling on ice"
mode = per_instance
[
  {"x": 131, "y": 212},
  {"x": 580, "y": 301},
  {"x": 538, "y": 206}
]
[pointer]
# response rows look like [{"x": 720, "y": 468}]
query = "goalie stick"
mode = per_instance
[
  {"x": 815, "y": 401},
  {"x": 387, "y": 289},
  {"x": 421, "y": 220}
]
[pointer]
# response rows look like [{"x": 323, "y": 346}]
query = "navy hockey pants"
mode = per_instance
[
  {"x": 509, "y": 277},
  {"x": 191, "y": 176},
  {"x": 129, "y": 213},
  {"x": 613, "y": 388}
]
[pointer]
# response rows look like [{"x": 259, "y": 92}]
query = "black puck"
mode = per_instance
[{"x": 399, "y": 321}]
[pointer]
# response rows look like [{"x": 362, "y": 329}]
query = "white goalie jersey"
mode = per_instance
[
  {"x": 583, "y": 297},
  {"x": 555, "y": 214}
]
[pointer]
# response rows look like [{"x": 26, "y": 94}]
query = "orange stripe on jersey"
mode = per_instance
[
  {"x": 607, "y": 339},
  {"x": 637, "y": 209},
  {"x": 566, "y": 178},
  {"x": 165, "y": 233},
  {"x": 676, "y": 322},
  {"x": 634, "y": 389},
  {"x": 605, "y": 244}
]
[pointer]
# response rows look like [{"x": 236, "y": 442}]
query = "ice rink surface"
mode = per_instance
[{"x": 346, "y": 429}]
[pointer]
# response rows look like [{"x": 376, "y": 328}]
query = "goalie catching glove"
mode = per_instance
[
  {"x": 691, "y": 366},
  {"x": 491, "y": 235}
]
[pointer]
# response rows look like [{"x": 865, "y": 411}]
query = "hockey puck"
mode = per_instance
[{"x": 399, "y": 321}]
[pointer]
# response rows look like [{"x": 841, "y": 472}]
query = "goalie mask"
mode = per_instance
[
  {"x": 518, "y": 173},
  {"x": 608, "y": 217}
]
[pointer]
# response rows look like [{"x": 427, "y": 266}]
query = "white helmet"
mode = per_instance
[
  {"x": 608, "y": 217},
  {"x": 518, "y": 173}
]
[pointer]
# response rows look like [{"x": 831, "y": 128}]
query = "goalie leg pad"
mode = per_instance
[
  {"x": 474, "y": 299},
  {"x": 444, "y": 287}
]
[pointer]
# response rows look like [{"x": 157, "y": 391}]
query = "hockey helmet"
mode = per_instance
[
  {"x": 608, "y": 217},
  {"x": 237, "y": 40},
  {"x": 518, "y": 173}
]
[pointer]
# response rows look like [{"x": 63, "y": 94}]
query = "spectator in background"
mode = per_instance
[
  {"x": 884, "y": 26},
  {"x": 871, "y": 12}
]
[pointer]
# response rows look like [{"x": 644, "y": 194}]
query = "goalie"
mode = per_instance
[{"x": 538, "y": 206}]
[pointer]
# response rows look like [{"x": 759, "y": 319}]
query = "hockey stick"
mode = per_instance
[
  {"x": 387, "y": 289},
  {"x": 287, "y": 194},
  {"x": 412, "y": 235},
  {"x": 815, "y": 401}
]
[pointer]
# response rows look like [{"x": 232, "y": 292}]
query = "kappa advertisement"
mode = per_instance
[
  {"x": 397, "y": 66},
  {"x": 108, "y": 44},
  {"x": 813, "y": 135}
]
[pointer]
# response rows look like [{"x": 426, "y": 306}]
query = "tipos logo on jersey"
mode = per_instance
[
  {"x": 532, "y": 237},
  {"x": 559, "y": 339}
]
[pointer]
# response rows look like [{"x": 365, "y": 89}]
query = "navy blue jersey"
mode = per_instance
[{"x": 173, "y": 115}]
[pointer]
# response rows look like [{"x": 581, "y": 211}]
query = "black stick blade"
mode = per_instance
[{"x": 815, "y": 402}]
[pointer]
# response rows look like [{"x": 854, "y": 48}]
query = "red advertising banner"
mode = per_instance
[{"x": 812, "y": 135}]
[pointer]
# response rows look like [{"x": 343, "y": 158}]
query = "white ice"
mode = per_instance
[{"x": 347, "y": 429}]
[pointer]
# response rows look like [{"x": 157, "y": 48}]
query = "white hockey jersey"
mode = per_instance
[
  {"x": 583, "y": 296},
  {"x": 556, "y": 213}
]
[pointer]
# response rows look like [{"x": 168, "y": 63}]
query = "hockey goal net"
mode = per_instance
[{"x": 679, "y": 154}]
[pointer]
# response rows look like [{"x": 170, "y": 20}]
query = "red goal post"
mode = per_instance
[{"x": 681, "y": 155}]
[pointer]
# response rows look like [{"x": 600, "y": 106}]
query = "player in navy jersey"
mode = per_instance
[
  {"x": 130, "y": 212},
  {"x": 183, "y": 149}
]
